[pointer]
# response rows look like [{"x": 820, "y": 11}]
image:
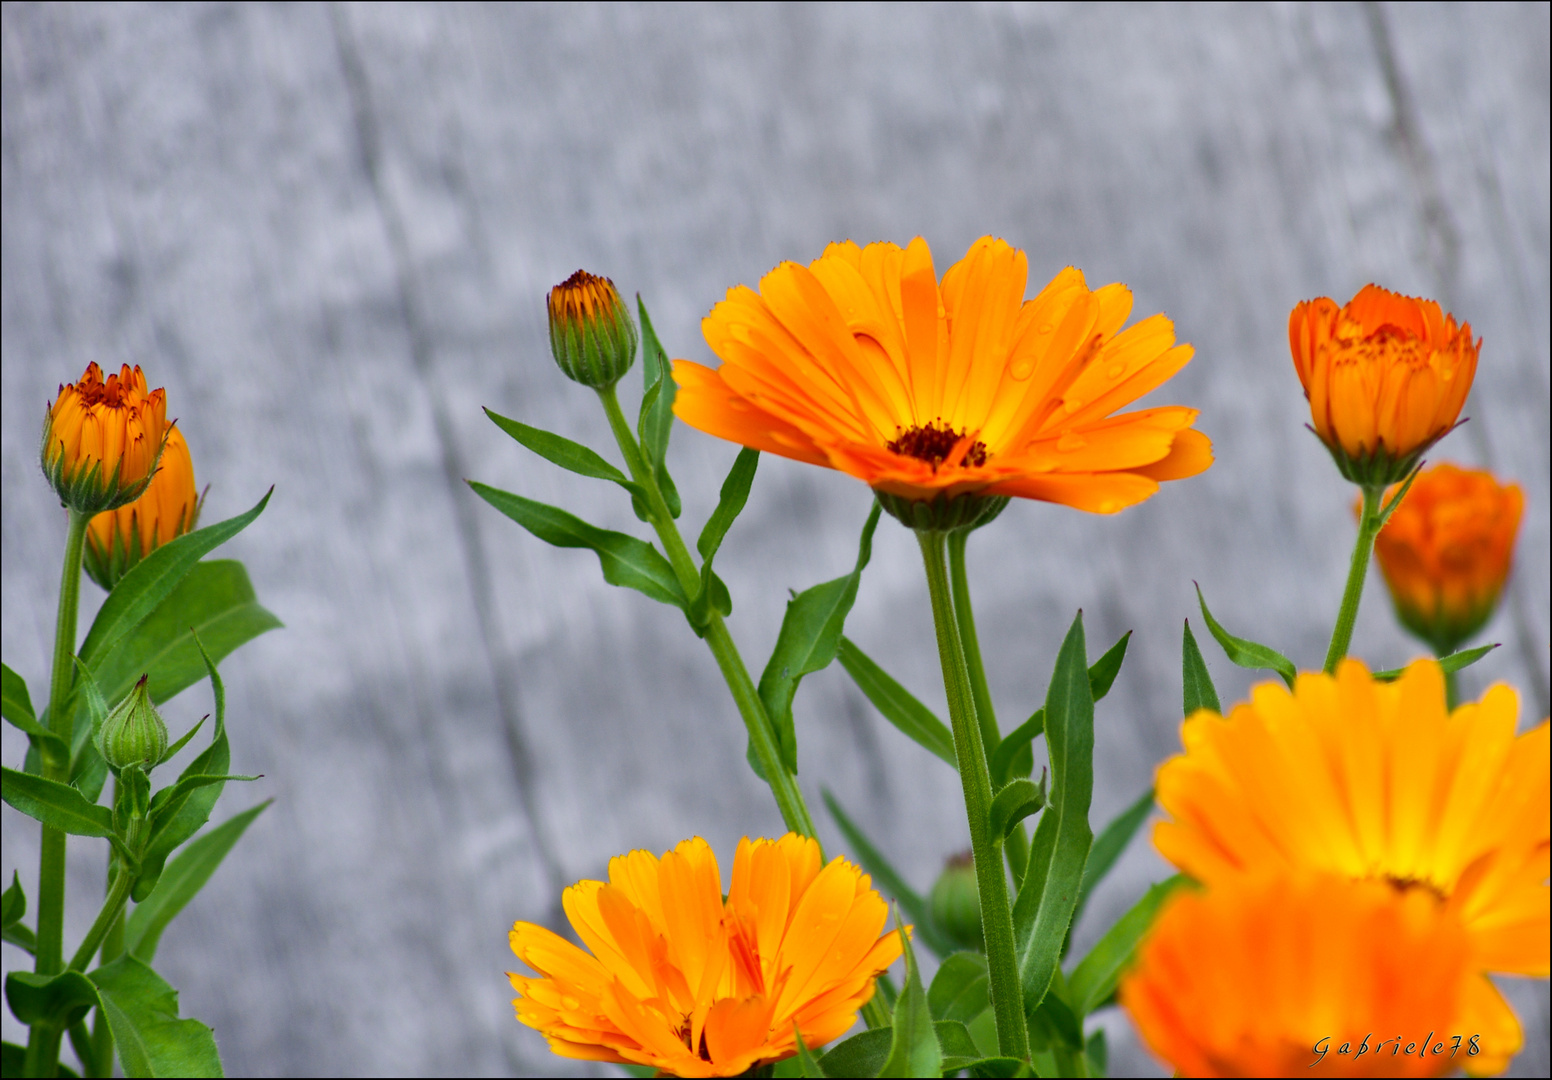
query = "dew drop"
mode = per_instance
[
  {"x": 1070, "y": 442},
  {"x": 1071, "y": 405},
  {"x": 1046, "y": 328},
  {"x": 1022, "y": 369},
  {"x": 1117, "y": 369}
]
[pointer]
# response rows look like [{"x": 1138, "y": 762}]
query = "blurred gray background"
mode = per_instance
[{"x": 328, "y": 230}]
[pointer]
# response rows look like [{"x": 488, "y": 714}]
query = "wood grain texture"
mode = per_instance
[{"x": 328, "y": 232}]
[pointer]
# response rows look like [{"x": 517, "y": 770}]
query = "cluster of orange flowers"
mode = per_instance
[{"x": 1365, "y": 856}]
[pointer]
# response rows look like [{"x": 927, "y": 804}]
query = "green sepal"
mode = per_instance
[
  {"x": 1015, "y": 801},
  {"x": 1448, "y": 664},
  {"x": 16, "y": 706},
  {"x": 1094, "y": 980},
  {"x": 897, "y": 704},
  {"x": 808, "y": 1064},
  {"x": 1109, "y": 845},
  {"x": 55, "y": 1001},
  {"x": 1198, "y": 691},
  {"x": 181, "y": 881},
  {"x": 1380, "y": 467},
  {"x": 142, "y": 1012},
  {"x": 1048, "y": 897},
  {"x": 887, "y": 880},
  {"x": 1247, "y": 654},
  {"x": 809, "y": 637},
  {"x": 626, "y": 560},
  {"x": 151, "y": 580}
]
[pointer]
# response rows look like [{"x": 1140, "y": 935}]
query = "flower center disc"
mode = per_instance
[{"x": 934, "y": 443}]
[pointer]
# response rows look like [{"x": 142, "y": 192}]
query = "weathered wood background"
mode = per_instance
[{"x": 327, "y": 230}]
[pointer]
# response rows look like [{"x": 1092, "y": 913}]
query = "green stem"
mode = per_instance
[
  {"x": 789, "y": 798},
  {"x": 1016, "y": 846},
  {"x": 1368, "y": 528},
  {"x": 43, "y": 1042},
  {"x": 112, "y": 909},
  {"x": 996, "y": 915},
  {"x": 1451, "y": 689}
]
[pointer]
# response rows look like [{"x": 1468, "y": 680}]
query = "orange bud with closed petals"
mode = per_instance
[
  {"x": 118, "y": 539},
  {"x": 592, "y": 335},
  {"x": 1446, "y": 552},
  {"x": 102, "y": 439},
  {"x": 1386, "y": 377}
]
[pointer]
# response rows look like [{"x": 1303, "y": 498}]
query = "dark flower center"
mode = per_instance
[{"x": 933, "y": 441}]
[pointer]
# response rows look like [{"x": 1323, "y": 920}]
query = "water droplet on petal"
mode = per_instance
[
  {"x": 1071, "y": 404},
  {"x": 1046, "y": 328},
  {"x": 1022, "y": 369},
  {"x": 1070, "y": 442},
  {"x": 1117, "y": 369}
]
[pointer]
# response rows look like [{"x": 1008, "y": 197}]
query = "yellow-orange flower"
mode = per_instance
[
  {"x": 862, "y": 362},
  {"x": 1376, "y": 781},
  {"x": 1385, "y": 376},
  {"x": 680, "y": 980},
  {"x": 101, "y": 439},
  {"x": 1315, "y": 975},
  {"x": 1446, "y": 551},
  {"x": 118, "y": 539}
]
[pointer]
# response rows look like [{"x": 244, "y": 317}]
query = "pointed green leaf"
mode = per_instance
[
  {"x": 1052, "y": 1023},
  {"x": 1247, "y": 654},
  {"x": 1013, "y": 755},
  {"x": 57, "y": 805},
  {"x": 91, "y": 695},
  {"x": 1097, "y": 1050},
  {"x": 1017, "y": 800},
  {"x": 13, "y": 905},
  {"x": 561, "y": 451},
  {"x": 913, "y": 1048},
  {"x": 215, "y": 600},
  {"x": 887, "y": 880},
  {"x": 656, "y": 423},
  {"x": 182, "y": 741},
  {"x": 1102, "y": 674},
  {"x": 809, "y": 637},
  {"x": 626, "y": 561},
  {"x": 1095, "y": 978},
  {"x": 18, "y": 710},
  {"x": 1041, "y": 920},
  {"x": 1449, "y": 664},
  {"x": 1109, "y": 845},
  {"x": 54, "y": 1000},
  {"x": 153, "y": 578},
  {"x": 808, "y": 1064},
  {"x": 961, "y": 990},
  {"x": 142, "y": 1013},
  {"x": 181, "y": 881},
  {"x": 896, "y": 703},
  {"x": 1199, "y": 691},
  {"x": 735, "y": 493}
]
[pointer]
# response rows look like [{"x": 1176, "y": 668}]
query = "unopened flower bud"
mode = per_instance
[
  {"x": 133, "y": 733},
  {"x": 102, "y": 439},
  {"x": 956, "y": 902},
  {"x": 118, "y": 539},
  {"x": 591, "y": 331}
]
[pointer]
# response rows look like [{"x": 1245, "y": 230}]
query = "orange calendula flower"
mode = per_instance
[
  {"x": 1446, "y": 551},
  {"x": 1385, "y": 376},
  {"x": 862, "y": 362},
  {"x": 1315, "y": 976},
  {"x": 1375, "y": 781},
  {"x": 679, "y": 979},
  {"x": 118, "y": 539},
  {"x": 102, "y": 439},
  {"x": 592, "y": 335}
]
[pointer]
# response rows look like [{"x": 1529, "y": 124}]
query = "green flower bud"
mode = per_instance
[
  {"x": 591, "y": 331},
  {"x": 133, "y": 733},
  {"x": 956, "y": 902}
]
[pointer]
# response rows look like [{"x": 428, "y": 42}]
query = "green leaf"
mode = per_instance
[
  {"x": 1095, "y": 978},
  {"x": 13, "y": 1058},
  {"x": 1247, "y": 654},
  {"x": 153, "y": 579},
  {"x": 1097, "y": 1050},
  {"x": 864, "y": 1054},
  {"x": 142, "y": 1012},
  {"x": 656, "y": 422},
  {"x": 561, "y": 451},
  {"x": 57, "y": 805},
  {"x": 20, "y": 936},
  {"x": 958, "y": 1049},
  {"x": 913, "y": 1049},
  {"x": 16, "y": 706},
  {"x": 807, "y": 1062},
  {"x": 182, "y": 741},
  {"x": 898, "y": 705},
  {"x": 1449, "y": 664},
  {"x": 961, "y": 990},
  {"x": 96, "y": 707},
  {"x": 887, "y": 880},
  {"x": 735, "y": 493},
  {"x": 181, "y": 881},
  {"x": 1103, "y": 674},
  {"x": 215, "y": 600},
  {"x": 1052, "y": 1023},
  {"x": 809, "y": 637},
  {"x": 1199, "y": 692},
  {"x": 1013, "y": 755},
  {"x": 13, "y": 904},
  {"x": 1043, "y": 910},
  {"x": 626, "y": 561},
  {"x": 1017, "y": 799},
  {"x": 1111, "y": 841},
  {"x": 54, "y": 1000},
  {"x": 179, "y": 818}
]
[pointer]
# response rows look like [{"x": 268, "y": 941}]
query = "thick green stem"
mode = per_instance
[
  {"x": 1451, "y": 689},
  {"x": 789, "y": 798},
  {"x": 1368, "y": 528},
  {"x": 43, "y": 1042},
  {"x": 1017, "y": 844},
  {"x": 991, "y": 880}
]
